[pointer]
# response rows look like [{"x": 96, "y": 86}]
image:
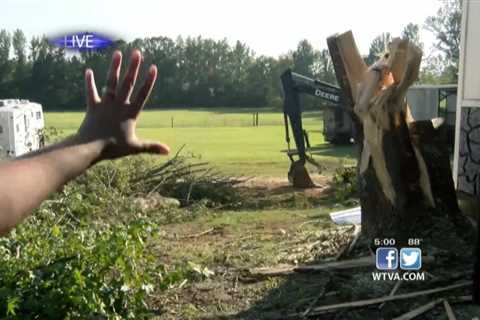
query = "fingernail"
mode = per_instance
[
  {"x": 136, "y": 54},
  {"x": 165, "y": 150},
  {"x": 117, "y": 54},
  {"x": 153, "y": 69}
]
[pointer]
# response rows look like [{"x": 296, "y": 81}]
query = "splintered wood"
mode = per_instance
[
  {"x": 404, "y": 169},
  {"x": 379, "y": 92}
]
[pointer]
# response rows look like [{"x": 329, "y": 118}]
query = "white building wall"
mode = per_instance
[{"x": 466, "y": 166}]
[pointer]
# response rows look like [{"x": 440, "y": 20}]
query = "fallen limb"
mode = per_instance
[
  {"x": 285, "y": 270},
  {"x": 392, "y": 293},
  {"x": 348, "y": 249},
  {"x": 320, "y": 296},
  {"x": 449, "y": 310},
  {"x": 196, "y": 235},
  {"x": 367, "y": 302},
  {"x": 462, "y": 299},
  {"x": 420, "y": 310}
]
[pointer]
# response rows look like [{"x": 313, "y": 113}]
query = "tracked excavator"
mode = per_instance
[{"x": 338, "y": 126}]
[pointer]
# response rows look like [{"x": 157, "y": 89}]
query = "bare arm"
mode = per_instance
[{"x": 107, "y": 132}]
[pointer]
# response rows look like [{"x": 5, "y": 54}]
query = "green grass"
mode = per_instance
[{"x": 225, "y": 137}]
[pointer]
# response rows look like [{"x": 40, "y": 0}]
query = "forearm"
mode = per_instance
[
  {"x": 27, "y": 181},
  {"x": 110, "y": 120}
]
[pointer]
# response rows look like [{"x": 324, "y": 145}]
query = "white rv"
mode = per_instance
[{"x": 21, "y": 124}]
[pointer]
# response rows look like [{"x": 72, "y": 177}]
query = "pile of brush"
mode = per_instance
[{"x": 185, "y": 178}]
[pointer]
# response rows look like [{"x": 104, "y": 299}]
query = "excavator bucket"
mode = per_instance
[
  {"x": 293, "y": 85},
  {"x": 298, "y": 175}
]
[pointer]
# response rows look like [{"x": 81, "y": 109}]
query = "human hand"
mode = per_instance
[{"x": 111, "y": 119}]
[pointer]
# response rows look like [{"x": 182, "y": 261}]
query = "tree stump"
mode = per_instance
[{"x": 405, "y": 179}]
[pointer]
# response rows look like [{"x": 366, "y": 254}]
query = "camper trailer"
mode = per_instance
[{"x": 21, "y": 124}]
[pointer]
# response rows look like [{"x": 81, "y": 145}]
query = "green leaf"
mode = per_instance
[
  {"x": 56, "y": 231},
  {"x": 12, "y": 305}
]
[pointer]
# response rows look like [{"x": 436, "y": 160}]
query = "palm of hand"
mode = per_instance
[{"x": 112, "y": 118}]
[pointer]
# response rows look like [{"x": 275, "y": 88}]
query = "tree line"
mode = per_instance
[
  {"x": 199, "y": 72},
  {"x": 193, "y": 72}
]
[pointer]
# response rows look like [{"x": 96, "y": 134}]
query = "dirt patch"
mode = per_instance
[
  {"x": 277, "y": 185},
  {"x": 266, "y": 192},
  {"x": 291, "y": 227},
  {"x": 232, "y": 293}
]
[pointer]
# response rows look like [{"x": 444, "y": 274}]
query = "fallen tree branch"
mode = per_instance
[
  {"x": 367, "y": 302},
  {"x": 285, "y": 270},
  {"x": 449, "y": 310},
  {"x": 420, "y": 310},
  {"x": 196, "y": 235},
  {"x": 316, "y": 299},
  {"x": 349, "y": 247},
  {"x": 392, "y": 293},
  {"x": 462, "y": 299}
]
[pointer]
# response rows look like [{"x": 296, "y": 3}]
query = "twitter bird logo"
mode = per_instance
[{"x": 410, "y": 258}]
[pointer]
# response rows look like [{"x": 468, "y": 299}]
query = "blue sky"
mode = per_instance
[{"x": 268, "y": 27}]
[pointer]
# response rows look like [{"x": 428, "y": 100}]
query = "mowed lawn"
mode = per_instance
[{"x": 225, "y": 137}]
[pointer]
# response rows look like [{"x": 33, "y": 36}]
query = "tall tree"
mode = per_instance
[
  {"x": 19, "y": 46},
  {"x": 324, "y": 67},
  {"x": 445, "y": 25},
  {"x": 20, "y": 73},
  {"x": 304, "y": 58},
  {"x": 378, "y": 47},
  {"x": 411, "y": 32},
  {"x": 5, "y": 44},
  {"x": 194, "y": 72},
  {"x": 5, "y": 65}
]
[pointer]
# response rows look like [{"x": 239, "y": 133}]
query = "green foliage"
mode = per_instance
[
  {"x": 446, "y": 25},
  {"x": 303, "y": 58},
  {"x": 52, "y": 134},
  {"x": 196, "y": 71},
  {"x": 344, "y": 183},
  {"x": 378, "y": 47},
  {"x": 55, "y": 267},
  {"x": 87, "y": 253},
  {"x": 411, "y": 32}
]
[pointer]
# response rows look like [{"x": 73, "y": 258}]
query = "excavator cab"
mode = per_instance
[{"x": 338, "y": 126}]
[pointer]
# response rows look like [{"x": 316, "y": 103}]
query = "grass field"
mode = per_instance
[{"x": 225, "y": 137}]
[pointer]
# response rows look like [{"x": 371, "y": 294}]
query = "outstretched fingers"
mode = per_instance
[
  {"x": 113, "y": 77},
  {"x": 145, "y": 91},
  {"x": 91, "y": 88},
  {"x": 130, "y": 77}
]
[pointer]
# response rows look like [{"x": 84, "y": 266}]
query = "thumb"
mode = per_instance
[{"x": 154, "y": 147}]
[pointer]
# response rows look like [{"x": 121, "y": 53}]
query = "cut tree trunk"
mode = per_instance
[{"x": 405, "y": 179}]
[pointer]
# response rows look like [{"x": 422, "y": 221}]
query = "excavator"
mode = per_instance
[{"x": 338, "y": 126}]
